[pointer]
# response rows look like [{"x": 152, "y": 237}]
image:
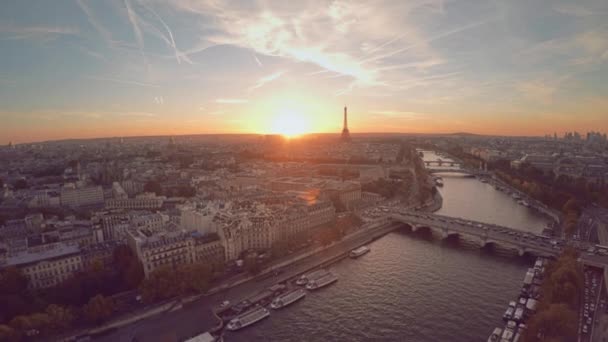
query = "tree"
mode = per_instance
[
  {"x": 133, "y": 275},
  {"x": 128, "y": 266},
  {"x": 60, "y": 317},
  {"x": 153, "y": 186},
  {"x": 12, "y": 305},
  {"x": 557, "y": 322},
  {"x": 8, "y": 334},
  {"x": 12, "y": 281},
  {"x": 20, "y": 184},
  {"x": 160, "y": 284},
  {"x": 98, "y": 309}
]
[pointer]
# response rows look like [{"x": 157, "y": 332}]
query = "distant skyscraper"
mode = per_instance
[{"x": 345, "y": 133}]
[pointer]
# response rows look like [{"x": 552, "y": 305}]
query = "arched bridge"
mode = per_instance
[
  {"x": 487, "y": 233},
  {"x": 458, "y": 169},
  {"x": 440, "y": 162}
]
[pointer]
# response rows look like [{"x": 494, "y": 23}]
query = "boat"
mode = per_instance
[
  {"x": 204, "y": 337},
  {"x": 509, "y": 313},
  {"x": 287, "y": 299},
  {"x": 304, "y": 279},
  {"x": 355, "y": 253},
  {"x": 508, "y": 334},
  {"x": 316, "y": 284},
  {"x": 519, "y": 314},
  {"x": 495, "y": 336},
  {"x": 515, "y": 196},
  {"x": 438, "y": 182},
  {"x": 248, "y": 318}
]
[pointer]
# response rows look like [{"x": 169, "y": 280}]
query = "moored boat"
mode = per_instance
[
  {"x": 304, "y": 279},
  {"x": 327, "y": 279},
  {"x": 204, "y": 337},
  {"x": 439, "y": 182},
  {"x": 495, "y": 336},
  {"x": 355, "y": 253},
  {"x": 248, "y": 318},
  {"x": 287, "y": 298}
]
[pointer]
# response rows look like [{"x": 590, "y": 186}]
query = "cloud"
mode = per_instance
[
  {"x": 122, "y": 81},
  {"x": 327, "y": 35},
  {"x": 583, "y": 48},
  {"x": 397, "y": 113},
  {"x": 231, "y": 101},
  {"x": 10, "y": 32},
  {"x": 267, "y": 79},
  {"x": 538, "y": 90},
  {"x": 257, "y": 60},
  {"x": 139, "y": 38},
  {"x": 573, "y": 10},
  {"x": 103, "y": 32}
]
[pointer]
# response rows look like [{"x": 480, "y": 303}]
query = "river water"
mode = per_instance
[{"x": 413, "y": 287}]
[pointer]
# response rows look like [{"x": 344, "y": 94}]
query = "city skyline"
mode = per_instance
[{"x": 83, "y": 69}]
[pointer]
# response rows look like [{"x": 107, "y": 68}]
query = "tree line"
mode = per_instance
[
  {"x": 85, "y": 298},
  {"x": 557, "y": 312}
]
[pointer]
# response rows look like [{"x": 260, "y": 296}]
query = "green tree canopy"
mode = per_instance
[{"x": 98, "y": 309}]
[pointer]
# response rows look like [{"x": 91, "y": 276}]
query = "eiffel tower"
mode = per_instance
[{"x": 345, "y": 132}]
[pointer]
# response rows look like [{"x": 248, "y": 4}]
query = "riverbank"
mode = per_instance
[
  {"x": 554, "y": 215},
  {"x": 196, "y": 315}
]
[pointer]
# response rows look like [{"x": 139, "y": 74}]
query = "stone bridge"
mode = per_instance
[
  {"x": 440, "y": 162},
  {"x": 485, "y": 233},
  {"x": 458, "y": 169}
]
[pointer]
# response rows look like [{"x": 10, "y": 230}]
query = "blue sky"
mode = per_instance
[{"x": 86, "y": 68}]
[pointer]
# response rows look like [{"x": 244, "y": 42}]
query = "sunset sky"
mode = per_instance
[{"x": 74, "y": 69}]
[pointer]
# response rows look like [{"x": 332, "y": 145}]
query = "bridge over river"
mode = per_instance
[{"x": 487, "y": 234}]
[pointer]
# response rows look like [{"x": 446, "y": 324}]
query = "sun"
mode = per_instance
[{"x": 290, "y": 123}]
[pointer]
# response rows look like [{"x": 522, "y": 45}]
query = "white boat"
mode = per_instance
[
  {"x": 327, "y": 279},
  {"x": 204, "y": 337},
  {"x": 287, "y": 298},
  {"x": 304, "y": 279},
  {"x": 508, "y": 334},
  {"x": 355, "y": 253},
  {"x": 495, "y": 336},
  {"x": 248, "y": 318},
  {"x": 509, "y": 313},
  {"x": 438, "y": 182},
  {"x": 519, "y": 314}
]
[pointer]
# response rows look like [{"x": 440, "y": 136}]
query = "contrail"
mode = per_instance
[
  {"x": 138, "y": 36},
  {"x": 105, "y": 34},
  {"x": 178, "y": 54}
]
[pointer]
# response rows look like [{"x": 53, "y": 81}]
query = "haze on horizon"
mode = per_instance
[{"x": 79, "y": 69}]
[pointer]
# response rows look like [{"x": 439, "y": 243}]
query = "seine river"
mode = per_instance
[{"x": 412, "y": 287}]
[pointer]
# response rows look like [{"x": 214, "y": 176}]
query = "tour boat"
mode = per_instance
[
  {"x": 355, "y": 253},
  {"x": 248, "y": 318},
  {"x": 304, "y": 279},
  {"x": 287, "y": 298},
  {"x": 327, "y": 279},
  {"x": 509, "y": 313},
  {"x": 495, "y": 337}
]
